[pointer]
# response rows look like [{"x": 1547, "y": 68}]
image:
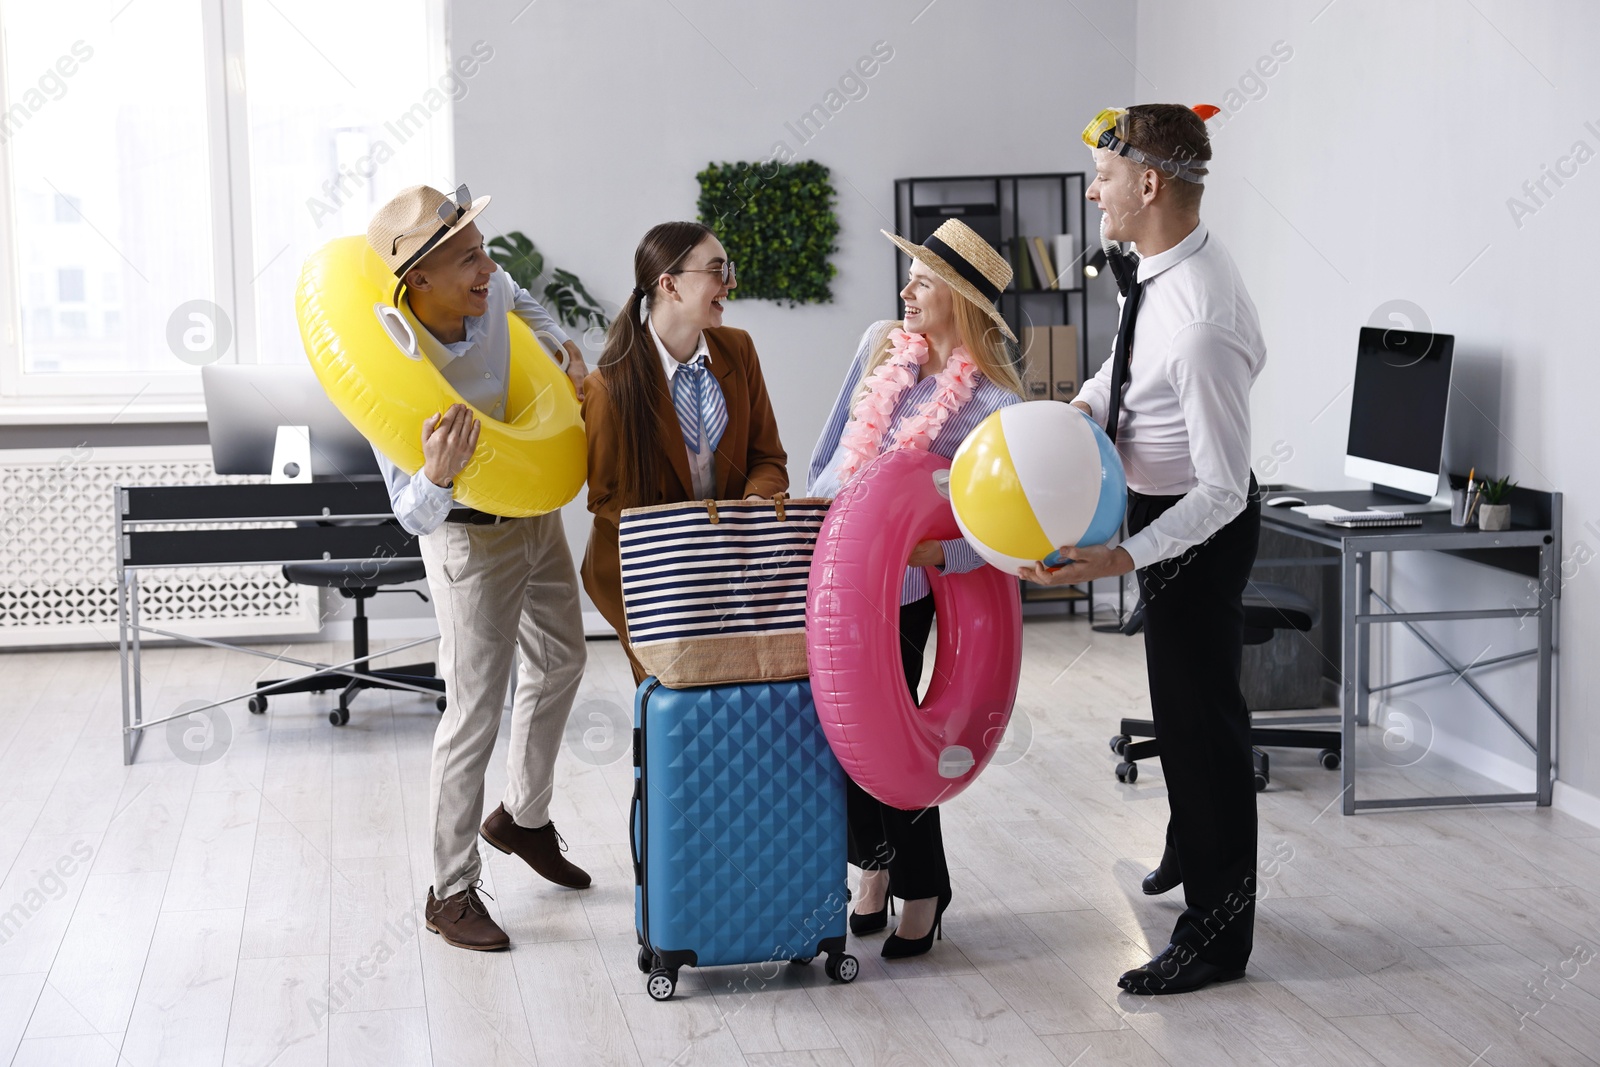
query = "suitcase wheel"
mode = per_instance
[
  {"x": 801, "y": 961},
  {"x": 842, "y": 967},
  {"x": 647, "y": 960},
  {"x": 661, "y": 983}
]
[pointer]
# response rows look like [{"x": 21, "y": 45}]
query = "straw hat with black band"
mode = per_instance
[
  {"x": 417, "y": 221},
  {"x": 966, "y": 262}
]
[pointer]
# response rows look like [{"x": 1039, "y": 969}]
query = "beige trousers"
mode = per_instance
[{"x": 499, "y": 592}]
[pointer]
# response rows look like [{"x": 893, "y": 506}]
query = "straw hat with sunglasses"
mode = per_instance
[
  {"x": 417, "y": 221},
  {"x": 420, "y": 220}
]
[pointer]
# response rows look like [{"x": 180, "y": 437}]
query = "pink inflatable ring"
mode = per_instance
[{"x": 907, "y": 756}]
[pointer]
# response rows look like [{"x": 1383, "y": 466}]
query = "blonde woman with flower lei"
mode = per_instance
[{"x": 925, "y": 383}]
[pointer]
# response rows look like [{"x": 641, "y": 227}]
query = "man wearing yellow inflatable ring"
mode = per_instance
[{"x": 501, "y": 586}]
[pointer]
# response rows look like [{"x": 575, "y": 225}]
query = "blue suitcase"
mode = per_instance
[{"x": 738, "y": 830}]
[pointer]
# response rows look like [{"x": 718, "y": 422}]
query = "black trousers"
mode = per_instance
[
  {"x": 907, "y": 843},
  {"x": 1194, "y": 641}
]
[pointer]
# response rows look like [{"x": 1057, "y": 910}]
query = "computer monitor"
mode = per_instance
[
  {"x": 245, "y": 405},
  {"x": 1397, "y": 412}
]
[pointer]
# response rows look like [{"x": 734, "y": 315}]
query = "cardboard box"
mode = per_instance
[
  {"x": 1063, "y": 362},
  {"x": 1034, "y": 343}
]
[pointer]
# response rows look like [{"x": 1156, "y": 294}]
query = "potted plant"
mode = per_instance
[
  {"x": 1494, "y": 507},
  {"x": 564, "y": 294}
]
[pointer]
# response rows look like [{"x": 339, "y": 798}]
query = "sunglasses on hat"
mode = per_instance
[{"x": 450, "y": 212}]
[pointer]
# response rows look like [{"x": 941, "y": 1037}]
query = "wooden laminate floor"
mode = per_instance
[{"x": 264, "y": 908}]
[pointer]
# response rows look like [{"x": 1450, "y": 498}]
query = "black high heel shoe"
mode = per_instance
[
  {"x": 897, "y": 947},
  {"x": 870, "y": 922}
]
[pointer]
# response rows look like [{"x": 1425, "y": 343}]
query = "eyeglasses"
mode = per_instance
[
  {"x": 450, "y": 212},
  {"x": 1102, "y": 133},
  {"x": 729, "y": 274}
]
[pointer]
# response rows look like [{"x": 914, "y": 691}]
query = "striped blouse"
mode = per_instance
[{"x": 823, "y": 480}]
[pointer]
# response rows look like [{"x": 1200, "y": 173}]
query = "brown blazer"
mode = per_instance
[{"x": 749, "y": 458}]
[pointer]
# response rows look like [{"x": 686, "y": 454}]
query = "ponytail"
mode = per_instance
[{"x": 629, "y": 364}]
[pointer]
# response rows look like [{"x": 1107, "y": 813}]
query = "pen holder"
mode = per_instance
[{"x": 1458, "y": 507}]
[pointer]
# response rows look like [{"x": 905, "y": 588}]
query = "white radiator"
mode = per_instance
[{"x": 58, "y": 555}]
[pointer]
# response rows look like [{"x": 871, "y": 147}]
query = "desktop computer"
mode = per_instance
[
  {"x": 1397, "y": 416},
  {"x": 247, "y": 406}
]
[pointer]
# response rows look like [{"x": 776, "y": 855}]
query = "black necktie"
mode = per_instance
[{"x": 1119, "y": 369}]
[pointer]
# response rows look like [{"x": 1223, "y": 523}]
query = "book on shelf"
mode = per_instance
[
  {"x": 1044, "y": 277},
  {"x": 1021, "y": 273},
  {"x": 1066, "y": 261}
]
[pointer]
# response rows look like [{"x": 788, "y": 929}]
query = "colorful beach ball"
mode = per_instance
[{"x": 1033, "y": 477}]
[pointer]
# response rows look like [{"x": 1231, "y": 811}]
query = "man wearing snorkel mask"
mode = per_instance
[{"x": 1177, "y": 406}]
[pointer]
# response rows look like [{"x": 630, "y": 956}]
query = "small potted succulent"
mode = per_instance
[{"x": 1494, "y": 507}]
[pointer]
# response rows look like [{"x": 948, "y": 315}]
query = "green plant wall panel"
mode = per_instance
[{"x": 776, "y": 220}]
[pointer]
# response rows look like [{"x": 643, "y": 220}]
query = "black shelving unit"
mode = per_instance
[
  {"x": 1003, "y": 207},
  {"x": 1017, "y": 205}
]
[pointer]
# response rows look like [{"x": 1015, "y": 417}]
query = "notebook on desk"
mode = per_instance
[{"x": 1351, "y": 520}]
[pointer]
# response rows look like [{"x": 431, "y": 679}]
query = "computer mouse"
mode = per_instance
[{"x": 1284, "y": 502}]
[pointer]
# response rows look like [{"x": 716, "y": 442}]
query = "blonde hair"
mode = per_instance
[{"x": 979, "y": 336}]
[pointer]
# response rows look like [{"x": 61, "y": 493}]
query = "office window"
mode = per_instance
[
  {"x": 69, "y": 285},
  {"x": 132, "y": 205},
  {"x": 106, "y": 179},
  {"x": 327, "y": 131}
]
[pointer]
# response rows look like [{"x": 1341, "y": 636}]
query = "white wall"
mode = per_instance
[
  {"x": 1374, "y": 165},
  {"x": 589, "y": 126}
]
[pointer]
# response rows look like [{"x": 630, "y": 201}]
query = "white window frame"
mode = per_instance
[{"x": 126, "y": 398}]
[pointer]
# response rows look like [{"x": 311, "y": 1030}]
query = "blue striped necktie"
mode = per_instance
[{"x": 699, "y": 402}]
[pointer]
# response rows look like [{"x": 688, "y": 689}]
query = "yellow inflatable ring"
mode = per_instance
[{"x": 364, "y": 351}]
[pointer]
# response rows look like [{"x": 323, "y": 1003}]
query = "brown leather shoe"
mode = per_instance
[
  {"x": 541, "y": 849},
  {"x": 463, "y": 921}
]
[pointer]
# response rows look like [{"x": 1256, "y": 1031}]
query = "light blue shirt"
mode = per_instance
[
  {"x": 823, "y": 480},
  {"x": 477, "y": 368}
]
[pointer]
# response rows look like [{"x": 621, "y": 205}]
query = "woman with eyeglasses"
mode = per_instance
[{"x": 677, "y": 408}]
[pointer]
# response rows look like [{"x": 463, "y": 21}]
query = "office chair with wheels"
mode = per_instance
[
  {"x": 358, "y": 582},
  {"x": 1268, "y": 608}
]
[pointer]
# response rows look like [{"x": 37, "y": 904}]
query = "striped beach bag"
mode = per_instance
[{"x": 715, "y": 591}]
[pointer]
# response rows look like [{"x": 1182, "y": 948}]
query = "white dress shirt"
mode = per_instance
[
  {"x": 478, "y": 369},
  {"x": 701, "y": 468},
  {"x": 1185, "y": 422}
]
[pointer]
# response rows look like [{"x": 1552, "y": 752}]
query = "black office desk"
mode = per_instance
[
  {"x": 1532, "y": 547},
  {"x": 230, "y": 525}
]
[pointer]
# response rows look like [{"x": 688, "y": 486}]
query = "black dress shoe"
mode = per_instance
[
  {"x": 1159, "y": 881},
  {"x": 1176, "y": 970}
]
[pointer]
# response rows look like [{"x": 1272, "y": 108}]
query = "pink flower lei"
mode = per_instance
[{"x": 863, "y": 438}]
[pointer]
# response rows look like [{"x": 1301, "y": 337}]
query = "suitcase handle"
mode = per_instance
[{"x": 633, "y": 833}]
